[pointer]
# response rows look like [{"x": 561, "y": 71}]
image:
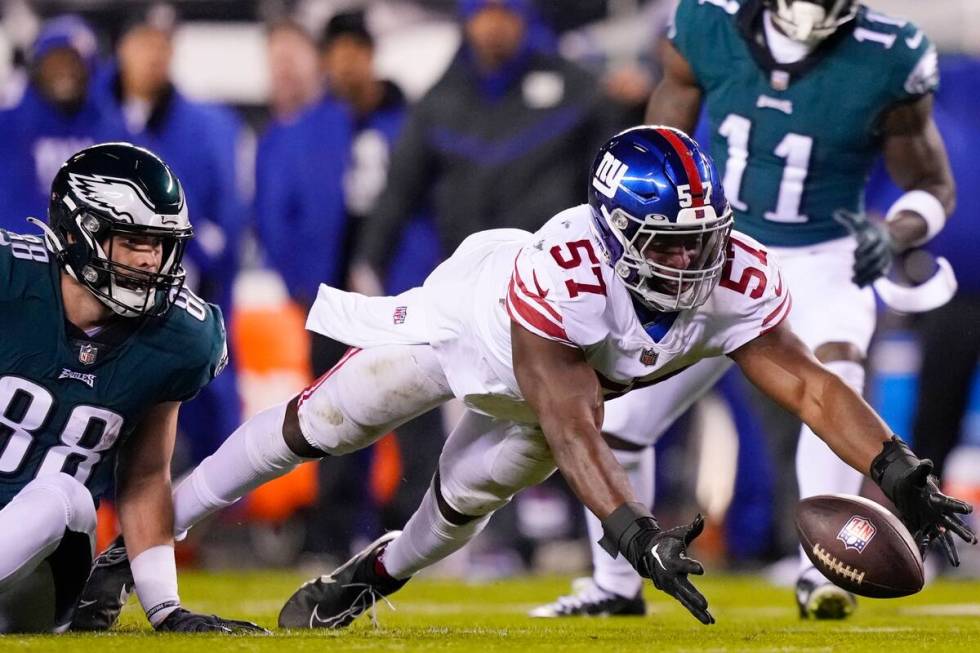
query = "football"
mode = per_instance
[{"x": 859, "y": 545}]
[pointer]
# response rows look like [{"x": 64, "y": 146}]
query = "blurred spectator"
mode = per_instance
[
  {"x": 57, "y": 116},
  {"x": 199, "y": 142},
  {"x": 294, "y": 74},
  {"x": 503, "y": 139},
  {"x": 950, "y": 335}
]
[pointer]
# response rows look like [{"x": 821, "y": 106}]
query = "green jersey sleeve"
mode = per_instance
[
  {"x": 697, "y": 28},
  {"x": 904, "y": 52},
  {"x": 22, "y": 257},
  {"x": 198, "y": 335}
]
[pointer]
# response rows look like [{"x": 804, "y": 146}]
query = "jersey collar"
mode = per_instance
[{"x": 750, "y": 27}]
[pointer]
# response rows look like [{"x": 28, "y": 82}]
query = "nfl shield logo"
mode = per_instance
[
  {"x": 856, "y": 533},
  {"x": 87, "y": 354},
  {"x": 401, "y": 312},
  {"x": 779, "y": 80},
  {"x": 648, "y": 356}
]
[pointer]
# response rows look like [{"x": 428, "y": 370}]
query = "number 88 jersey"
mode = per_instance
[
  {"x": 68, "y": 400},
  {"x": 795, "y": 142}
]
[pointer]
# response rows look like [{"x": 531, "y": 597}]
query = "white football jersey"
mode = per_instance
[{"x": 554, "y": 284}]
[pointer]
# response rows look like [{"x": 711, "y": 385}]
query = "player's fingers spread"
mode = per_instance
[
  {"x": 695, "y": 529},
  {"x": 949, "y": 548},
  {"x": 685, "y": 589},
  {"x": 950, "y": 504},
  {"x": 956, "y": 525},
  {"x": 690, "y": 566}
]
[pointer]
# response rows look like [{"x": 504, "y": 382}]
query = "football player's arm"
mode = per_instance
[
  {"x": 916, "y": 159},
  {"x": 780, "y": 365},
  {"x": 676, "y": 101},
  {"x": 144, "y": 501},
  {"x": 564, "y": 392}
]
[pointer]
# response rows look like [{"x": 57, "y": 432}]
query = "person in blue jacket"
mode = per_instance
[
  {"x": 200, "y": 143},
  {"x": 57, "y": 116}
]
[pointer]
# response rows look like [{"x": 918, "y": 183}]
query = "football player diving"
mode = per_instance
[
  {"x": 533, "y": 332},
  {"x": 101, "y": 344},
  {"x": 801, "y": 97}
]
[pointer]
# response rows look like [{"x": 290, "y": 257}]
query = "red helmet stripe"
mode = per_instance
[{"x": 690, "y": 168}]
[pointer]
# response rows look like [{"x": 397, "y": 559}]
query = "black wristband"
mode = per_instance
[
  {"x": 894, "y": 462},
  {"x": 622, "y": 525}
]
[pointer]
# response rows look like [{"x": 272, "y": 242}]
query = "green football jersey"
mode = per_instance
[
  {"x": 795, "y": 142},
  {"x": 68, "y": 400}
]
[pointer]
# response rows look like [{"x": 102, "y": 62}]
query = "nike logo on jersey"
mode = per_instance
[{"x": 914, "y": 41}]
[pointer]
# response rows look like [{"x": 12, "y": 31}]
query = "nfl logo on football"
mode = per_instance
[
  {"x": 856, "y": 533},
  {"x": 87, "y": 354}
]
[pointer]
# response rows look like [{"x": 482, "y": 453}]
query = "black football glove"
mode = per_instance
[
  {"x": 185, "y": 621},
  {"x": 928, "y": 513},
  {"x": 875, "y": 250},
  {"x": 657, "y": 554}
]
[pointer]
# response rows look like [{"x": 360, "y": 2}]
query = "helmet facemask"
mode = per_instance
[
  {"x": 670, "y": 266},
  {"x": 811, "y": 21},
  {"x": 86, "y": 251}
]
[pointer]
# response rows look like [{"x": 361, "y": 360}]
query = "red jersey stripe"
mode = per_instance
[
  {"x": 316, "y": 384},
  {"x": 789, "y": 306},
  {"x": 525, "y": 315},
  {"x": 690, "y": 168}
]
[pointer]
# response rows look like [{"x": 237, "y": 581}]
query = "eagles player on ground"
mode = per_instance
[
  {"x": 100, "y": 346},
  {"x": 801, "y": 96}
]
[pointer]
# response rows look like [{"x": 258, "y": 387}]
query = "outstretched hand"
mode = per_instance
[{"x": 664, "y": 561}]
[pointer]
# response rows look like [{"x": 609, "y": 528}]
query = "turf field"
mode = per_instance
[{"x": 434, "y": 615}]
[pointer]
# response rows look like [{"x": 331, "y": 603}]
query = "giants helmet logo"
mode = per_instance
[{"x": 608, "y": 175}]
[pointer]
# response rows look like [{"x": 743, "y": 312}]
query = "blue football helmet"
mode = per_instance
[{"x": 660, "y": 216}]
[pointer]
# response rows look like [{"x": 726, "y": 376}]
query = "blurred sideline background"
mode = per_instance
[{"x": 283, "y": 120}]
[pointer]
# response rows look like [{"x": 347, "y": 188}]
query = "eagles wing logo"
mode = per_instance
[{"x": 120, "y": 197}]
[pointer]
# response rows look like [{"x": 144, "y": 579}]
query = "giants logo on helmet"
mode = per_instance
[{"x": 608, "y": 175}]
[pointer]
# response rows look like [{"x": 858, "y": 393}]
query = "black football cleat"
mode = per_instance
[
  {"x": 108, "y": 587},
  {"x": 589, "y": 600},
  {"x": 823, "y": 600},
  {"x": 335, "y": 600}
]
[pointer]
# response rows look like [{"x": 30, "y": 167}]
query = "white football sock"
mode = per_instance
[
  {"x": 427, "y": 538},
  {"x": 617, "y": 575},
  {"x": 818, "y": 469},
  {"x": 255, "y": 453}
]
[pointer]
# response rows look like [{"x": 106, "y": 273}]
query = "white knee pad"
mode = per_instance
[
  {"x": 851, "y": 372},
  {"x": 75, "y": 499}
]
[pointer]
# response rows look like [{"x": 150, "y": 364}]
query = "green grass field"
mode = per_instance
[{"x": 435, "y": 615}]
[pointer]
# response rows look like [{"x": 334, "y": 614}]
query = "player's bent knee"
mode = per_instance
[{"x": 73, "y": 497}]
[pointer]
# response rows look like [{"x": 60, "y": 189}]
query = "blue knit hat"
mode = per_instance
[
  {"x": 67, "y": 31},
  {"x": 468, "y": 8}
]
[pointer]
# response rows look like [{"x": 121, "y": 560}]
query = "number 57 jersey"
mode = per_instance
[
  {"x": 554, "y": 284},
  {"x": 68, "y": 400}
]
